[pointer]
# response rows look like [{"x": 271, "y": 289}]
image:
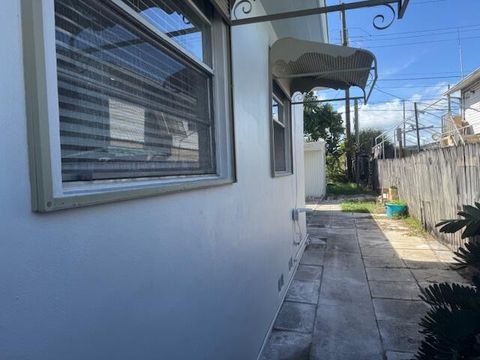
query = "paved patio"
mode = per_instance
[{"x": 355, "y": 293}]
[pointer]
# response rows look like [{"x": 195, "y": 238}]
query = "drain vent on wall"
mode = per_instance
[{"x": 290, "y": 264}]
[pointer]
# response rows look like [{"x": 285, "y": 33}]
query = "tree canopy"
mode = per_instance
[{"x": 323, "y": 122}]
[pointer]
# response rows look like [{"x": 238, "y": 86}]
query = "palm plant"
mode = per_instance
[{"x": 452, "y": 325}]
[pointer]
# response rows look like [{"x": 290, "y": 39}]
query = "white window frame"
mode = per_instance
[
  {"x": 285, "y": 101},
  {"x": 49, "y": 193}
]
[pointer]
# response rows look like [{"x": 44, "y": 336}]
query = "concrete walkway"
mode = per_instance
[{"x": 355, "y": 293}]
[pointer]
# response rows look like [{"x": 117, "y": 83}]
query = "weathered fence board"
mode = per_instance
[{"x": 435, "y": 184}]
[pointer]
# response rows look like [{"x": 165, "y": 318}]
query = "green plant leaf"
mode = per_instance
[
  {"x": 449, "y": 334},
  {"x": 451, "y": 296},
  {"x": 470, "y": 221},
  {"x": 468, "y": 255}
]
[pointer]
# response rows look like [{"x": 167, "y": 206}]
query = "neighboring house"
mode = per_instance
[
  {"x": 466, "y": 125},
  {"x": 315, "y": 169},
  {"x": 151, "y": 166}
]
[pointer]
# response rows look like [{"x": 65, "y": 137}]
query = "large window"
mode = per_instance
[
  {"x": 137, "y": 93},
  {"x": 129, "y": 107},
  {"x": 281, "y": 133}
]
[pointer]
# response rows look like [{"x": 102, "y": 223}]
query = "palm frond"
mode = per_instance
[
  {"x": 468, "y": 255},
  {"x": 451, "y": 296},
  {"x": 470, "y": 221},
  {"x": 449, "y": 334}
]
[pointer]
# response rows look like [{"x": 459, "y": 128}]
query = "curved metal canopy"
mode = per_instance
[{"x": 306, "y": 65}]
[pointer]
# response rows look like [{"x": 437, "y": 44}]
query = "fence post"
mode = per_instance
[{"x": 416, "y": 125}]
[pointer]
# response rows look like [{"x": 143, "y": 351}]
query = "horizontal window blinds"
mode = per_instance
[{"x": 129, "y": 106}]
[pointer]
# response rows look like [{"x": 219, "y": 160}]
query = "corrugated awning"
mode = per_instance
[{"x": 306, "y": 65}]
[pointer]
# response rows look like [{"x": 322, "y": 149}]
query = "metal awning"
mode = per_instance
[
  {"x": 306, "y": 65},
  {"x": 240, "y": 12}
]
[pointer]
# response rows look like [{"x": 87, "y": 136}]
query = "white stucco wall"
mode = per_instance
[
  {"x": 190, "y": 275},
  {"x": 315, "y": 169}
]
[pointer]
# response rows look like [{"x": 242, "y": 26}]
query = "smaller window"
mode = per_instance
[{"x": 281, "y": 133}]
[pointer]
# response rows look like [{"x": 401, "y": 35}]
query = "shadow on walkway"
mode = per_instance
[{"x": 355, "y": 293}]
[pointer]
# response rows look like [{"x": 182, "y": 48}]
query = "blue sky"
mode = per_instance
[{"x": 424, "y": 44}]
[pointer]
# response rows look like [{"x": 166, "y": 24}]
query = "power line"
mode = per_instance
[
  {"x": 424, "y": 73},
  {"x": 466, "y": 27},
  {"x": 441, "y": 33},
  {"x": 425, "y": 42},
  {"x": 387, "y": 93},
  {"x": 422, "y": 78}
]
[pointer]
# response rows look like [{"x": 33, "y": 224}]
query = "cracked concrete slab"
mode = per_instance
[
  {"x": 395, "y": 355},
  {"x": 303, "y": 291},
  {"x": 383, "y": 262},
  {"x": 398, "y": 336},
  {"x": 381, "y": 274},
  {"x": 313, "y": 256},
  {"x": 395, "y": 290},
  {"x": 338, "y": 336},
  {"x": 430, "y": 276},
  {"x": 396, "y": 310},
  {"x": 295, "y": 316},
  {"x": 308, "y": 273},
  {"x": 287, "y": 345}
]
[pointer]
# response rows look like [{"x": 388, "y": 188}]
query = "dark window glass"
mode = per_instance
[
  {"x": 281, "y": 132},
  {"x": 129, "y": 106}
]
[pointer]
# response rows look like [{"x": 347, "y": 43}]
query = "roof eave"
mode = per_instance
[{"x": 466, "y": 82}]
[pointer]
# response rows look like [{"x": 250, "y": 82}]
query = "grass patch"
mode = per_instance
[
  {"x": 339, "y": 188},
  {"x": 414, "y": 225},
  {"x": 360, "y": 206},
  {"x": 371, "y": 207}
]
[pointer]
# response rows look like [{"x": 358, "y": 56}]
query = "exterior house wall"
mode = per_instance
[
  {"x": 471, "y": 100},
  {"x": 315, "y": 166},
  {"x": 190, "y": 275}
]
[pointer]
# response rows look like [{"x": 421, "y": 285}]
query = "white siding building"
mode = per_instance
[
  {"x": 469, "y": 91},
  {"x": 315, "y": 169}
]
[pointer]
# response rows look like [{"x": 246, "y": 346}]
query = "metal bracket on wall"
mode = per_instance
[{"x": 380, "y": 21}]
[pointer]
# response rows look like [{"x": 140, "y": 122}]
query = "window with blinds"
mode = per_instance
[
  {"x": 281, "y": 132},
  {"x": 131, "y": 104}
]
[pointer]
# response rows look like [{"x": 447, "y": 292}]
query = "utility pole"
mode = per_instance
[
  {"x": 449, "y": 114},
  {"x": 347, "y": 102},
  {"x": 394, "y": 144},
  {"x": 404, "y": 127},
  {"x": 417, "y": 129},
  {"x": 399, "y": 138},
  {"x": 357, "y": 142},
  {"x": 460, "y": 51}
]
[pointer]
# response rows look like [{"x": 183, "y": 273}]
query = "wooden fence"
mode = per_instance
[{"x": 435, "y": 184}]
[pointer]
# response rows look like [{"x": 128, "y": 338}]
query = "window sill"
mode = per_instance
[
  {"x": 80, "y": 195},
  {"x": 282, "y": 174}
]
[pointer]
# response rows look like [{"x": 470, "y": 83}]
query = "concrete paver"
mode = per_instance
[{"x": 355, "y": 294}]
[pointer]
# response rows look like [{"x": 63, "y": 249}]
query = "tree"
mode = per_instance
[{"x": 323, "y": 122}]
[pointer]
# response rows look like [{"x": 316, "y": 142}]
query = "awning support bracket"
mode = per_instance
[{"x": 379, "y": 21}]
